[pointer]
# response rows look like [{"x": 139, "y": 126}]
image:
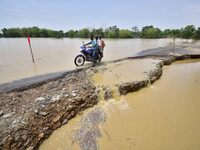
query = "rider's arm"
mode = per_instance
[{"x": 88, "y": 43}]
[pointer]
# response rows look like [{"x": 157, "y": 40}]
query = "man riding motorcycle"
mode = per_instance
[
  {"x": 94, "y": 48},
  {"x": 90, "y": 53}
]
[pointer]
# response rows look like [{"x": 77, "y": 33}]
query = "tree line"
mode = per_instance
[{"x": 188, "y": 32}]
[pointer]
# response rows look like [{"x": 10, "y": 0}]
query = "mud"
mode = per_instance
[{"x": 31, "y": 112}]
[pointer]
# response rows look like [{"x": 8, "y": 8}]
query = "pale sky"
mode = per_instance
[{"x": 75, "y": 14}]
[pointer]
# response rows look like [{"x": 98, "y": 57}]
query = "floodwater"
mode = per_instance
[
  {"x": 165, "y": 115},
  {"x": 124, "y": 71},
  {"x": 53, "y": 55},
  {"x": 113, "y": 74}
]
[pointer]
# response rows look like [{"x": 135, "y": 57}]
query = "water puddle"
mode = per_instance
[{"x": 165, "y": 115}]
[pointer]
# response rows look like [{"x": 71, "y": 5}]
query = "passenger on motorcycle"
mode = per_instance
[{"x": 101, "y": 45}]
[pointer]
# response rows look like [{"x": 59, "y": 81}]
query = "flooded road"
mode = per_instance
[
  {"x": 53, "y": 55},
  {"x": 163, "y": 116}
]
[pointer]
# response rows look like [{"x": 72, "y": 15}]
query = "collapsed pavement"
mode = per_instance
[{"x": 30, "y": 116}]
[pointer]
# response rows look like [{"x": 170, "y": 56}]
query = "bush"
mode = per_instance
[{"x": 125, "y": 33}]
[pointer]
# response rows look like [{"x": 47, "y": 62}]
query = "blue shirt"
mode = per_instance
[{"x": 94, "y": 43}]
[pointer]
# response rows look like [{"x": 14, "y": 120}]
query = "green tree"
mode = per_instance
[
  {"x": 125, "y": 33},
  {"x": 35, "y": 31},
  {"x": 99, "y": 32},
  {"x": 11, "y": 32},
  {"x": 112, "y": 32},
  {"x": 166, "y": 33},
  {"x": 4, "y": 31},
  {"x": 43, "y": 33},
  {"x": 14, "y": 32},
  {"x": 24, "y": 32},
  {"x": 71, "y": 33},
  {"x": 197, "y": 34},
  {"x": 174, "y": 33},
  {"x": 188, "y": 32},
  {"x": 51, "y": 33},
  {"x": 59, "y": 34},
  {"x": 31, "y": 31},
  {"x": 151, "y": 32},
  {"x": 135, "y": 32},
  {"x": 83, "y": 33}
]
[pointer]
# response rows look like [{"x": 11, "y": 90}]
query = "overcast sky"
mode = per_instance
[{"x": 76, "y": 14}]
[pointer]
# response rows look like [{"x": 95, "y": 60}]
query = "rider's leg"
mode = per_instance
[
  {"x": 93, "y": 58},
  {"x": 94, "y": 55},
  {"x": 101, "y": 52}
]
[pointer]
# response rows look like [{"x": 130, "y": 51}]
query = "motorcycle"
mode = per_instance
[{"x": 87, "y": 55}]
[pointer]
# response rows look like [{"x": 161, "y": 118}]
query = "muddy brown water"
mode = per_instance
[
  {"x": 125, "y": 71},
  {"x": 111, "y": 75},
  {"x": 53, "y": 55},
  {"x": 165, "y": 115}
]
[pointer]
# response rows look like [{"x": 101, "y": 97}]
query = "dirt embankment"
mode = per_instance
[{"x": 29, "y": 115}]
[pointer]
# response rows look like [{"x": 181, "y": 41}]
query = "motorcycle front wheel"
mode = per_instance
[{"x": 79, "y": 60}]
